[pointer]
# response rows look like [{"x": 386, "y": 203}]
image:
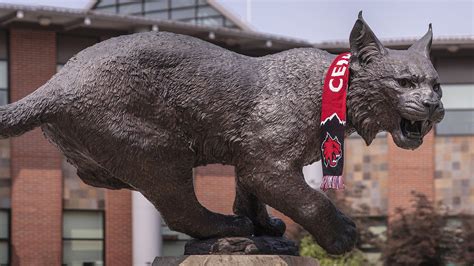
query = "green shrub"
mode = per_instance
[{"x": 309, "y": 248}]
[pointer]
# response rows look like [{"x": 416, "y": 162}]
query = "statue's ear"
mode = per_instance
[
  {"x": 423, "y": 45},
  {"x": 364, "y": 44}
]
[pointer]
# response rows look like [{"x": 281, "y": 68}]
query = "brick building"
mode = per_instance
[{"x": 49, "y": 217}]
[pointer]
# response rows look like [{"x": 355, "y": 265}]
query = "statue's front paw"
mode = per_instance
[
  {"x": 272, "y": 227},
  {"x": 342, "y": 238}
]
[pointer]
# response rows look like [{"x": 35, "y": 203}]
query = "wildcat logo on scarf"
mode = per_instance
[
  {"x": 332, "y": 151},
  {"x": 333, "y": 121}
]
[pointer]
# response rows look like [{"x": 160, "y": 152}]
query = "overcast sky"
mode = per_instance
[{"x": 323, "y": 20}]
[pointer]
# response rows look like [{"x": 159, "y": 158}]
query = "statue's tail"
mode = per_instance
[{"x": 26, "y": 114}]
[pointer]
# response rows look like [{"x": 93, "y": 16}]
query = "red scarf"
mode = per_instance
[{"x": 333, "y": 121}]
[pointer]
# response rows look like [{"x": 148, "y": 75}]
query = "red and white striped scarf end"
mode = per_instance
[{"x": 332, "y": 182}]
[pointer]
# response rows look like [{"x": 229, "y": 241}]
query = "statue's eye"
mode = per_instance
[
  {"x": 405, "y": 83},
  {"x": 437, "y": 89}
]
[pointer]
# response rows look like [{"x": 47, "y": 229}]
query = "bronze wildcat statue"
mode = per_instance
[{"x": 141, "y": 111}]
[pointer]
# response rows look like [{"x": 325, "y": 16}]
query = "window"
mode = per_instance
[
  {"x": 158, "y": 15},
  {"x": 183, "y": 13},
  {"x": 191, "y": 11},
  {"x": 182, "y": 3},
  {"x": 5, "y": 177},
  {"x": 83, "y": 238},
  {"x": 211, "y": 21},
  {"x": 458, "y": 101},
  {"x": 5, "y": 180},
  {"x": 131, "y": 8},
  {"x": 4, "y": 237},
  {"x": 207, "y": 11},
  {"x": 156, "y": 5}
]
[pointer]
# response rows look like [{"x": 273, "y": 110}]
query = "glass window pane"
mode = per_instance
[
  {"x": 3, "y": 96},
  {"x": 456, "y": 122},
  {"x": 130, "y": 8},
  {"x": 182, "y": 3},
  {"x": 158, "y": 15},
  {"x": 3, "y": 224},
  {"x": 182, "y": 13},
  {"x": 207, "y": 11},
  {"x": 211, "y": 21},
  {"x": 83, "y": 253},
  {"x": 82, "y": 224},
  {"x": 458, "y": 96},
  {"x": 156, "y": 5},
  {"x": 3, "y": 253},
  {"x": 3, "y": 74}
]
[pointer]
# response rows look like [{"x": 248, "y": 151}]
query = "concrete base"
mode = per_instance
[
  {"x": 235, "y": 260},
  {"x": 254, "y": 245}
]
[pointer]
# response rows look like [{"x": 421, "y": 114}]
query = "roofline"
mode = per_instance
[
  {"x": 91, "y": 4},
  {"x": 440, "y": 42},
  {"x": 138, "y": 21},
  {"x": 230, "y": 16}
]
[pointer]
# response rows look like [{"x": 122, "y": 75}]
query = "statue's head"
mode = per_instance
[{"x": 401, "y": 90}]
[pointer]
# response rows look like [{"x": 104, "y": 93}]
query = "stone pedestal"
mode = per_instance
[
  {"x": 254, "y": 245},
  {"x": 235, "y": 260}
]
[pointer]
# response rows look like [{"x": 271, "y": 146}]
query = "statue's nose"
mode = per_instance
[{"x": 431, "y": 105}]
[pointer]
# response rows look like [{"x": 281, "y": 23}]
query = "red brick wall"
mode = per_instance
[
  {"x": 118, "y": 227},
  {"x": 215, "y": 187},
  {"x": 35, "y": 164},
  {"x": 410, "y": 171}
]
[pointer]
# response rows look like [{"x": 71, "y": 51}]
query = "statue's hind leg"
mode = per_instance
[{"x": 172, "y": 193}]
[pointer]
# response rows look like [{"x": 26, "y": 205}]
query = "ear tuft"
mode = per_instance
[
  {"x": 423, "y": 45},
  {"x": 364, "y": 44}
]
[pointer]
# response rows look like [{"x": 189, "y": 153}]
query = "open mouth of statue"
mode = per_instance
[{"x": 411, "y": 129}]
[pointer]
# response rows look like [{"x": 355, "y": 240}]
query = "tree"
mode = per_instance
[{"x": 427, "y": 236}]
